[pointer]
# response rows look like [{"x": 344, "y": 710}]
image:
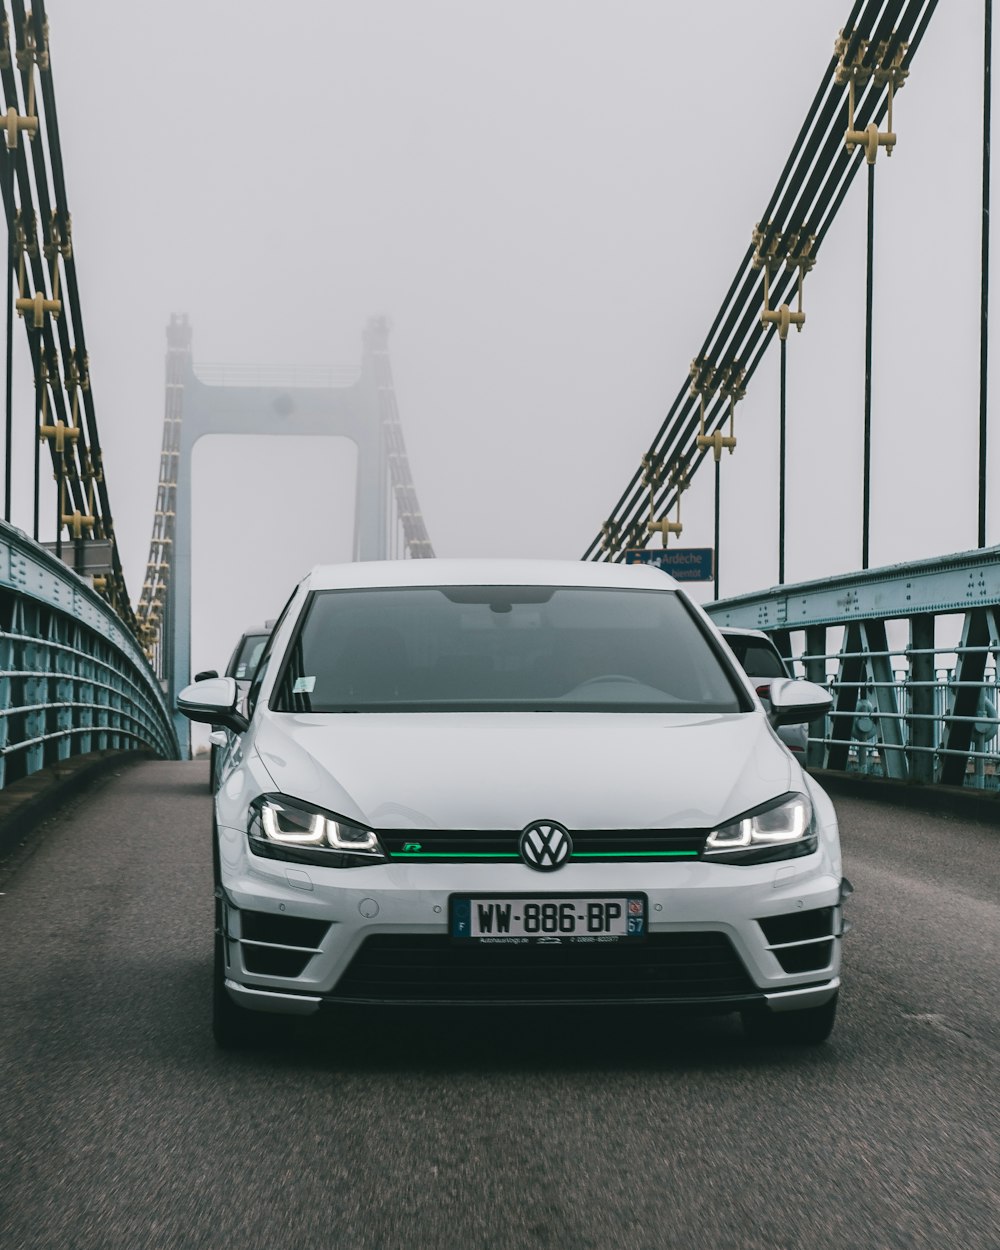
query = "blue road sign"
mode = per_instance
[{"x": 687, "y": 564}]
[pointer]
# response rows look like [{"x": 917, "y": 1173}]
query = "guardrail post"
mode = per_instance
[
  {"x": 815, "y": 669},
  {"x": 965, "y": 705},
  {"x": 921, "y": 728},
  {"x": 846, "y": 694},
  {"x": 890, "y": 729},
  {"x": 782, "y": 639}
]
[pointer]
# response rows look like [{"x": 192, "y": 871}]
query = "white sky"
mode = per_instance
[{"x": 549, "y": 199}]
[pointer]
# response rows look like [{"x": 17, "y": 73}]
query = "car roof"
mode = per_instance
[
  {"x": 434, "y": 572},
  {"x": 731, "y": 631}
]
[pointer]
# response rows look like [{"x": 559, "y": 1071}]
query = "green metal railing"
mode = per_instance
[
  {"x": 73, "y": 679},
  {"x": 910, "y": 655}
]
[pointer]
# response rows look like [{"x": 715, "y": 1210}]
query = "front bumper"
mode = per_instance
[{"x": 298, "y": 936}]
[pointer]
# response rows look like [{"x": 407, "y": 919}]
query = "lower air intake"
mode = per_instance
[{"x": 666, "y": 968}]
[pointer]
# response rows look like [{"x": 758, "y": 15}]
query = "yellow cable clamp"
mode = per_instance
[
  {"x": 795, "y": 251},
  {"x": 665, "y": 527},
  {"x": 652, "y": 470},
  {"x": 886, "y": 72},
  {"x": 782, "y": 317},
  {"x": 24, "y": 245},
  {"x": 609, "y": 535},
  {"x": 89, "y": 471},
  {"x": 652, "y": 475},
  {"x": 77, "y": 523},
  {"x": 730, "y": 380},
  {"x": 38, "y": 306},
  {"x": 706, "y": 379},
  {"x": 717, "y": 442},
  {"x": 30, "y": 53},
  {"x": 14, "y": 123},
  {"x": 733, "y": 384},
  {"x": 75, "y": 376},
  {"x": 59, "y": 243},
  {"x": 60, "y": 433}
]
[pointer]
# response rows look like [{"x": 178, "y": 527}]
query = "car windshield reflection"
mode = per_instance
[{"x": 502, "y": 648}]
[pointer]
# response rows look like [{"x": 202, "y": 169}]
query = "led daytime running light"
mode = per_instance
[
  {"x": 309, "y": 829},
  {"x": 314, "y": 834},
  {"x": 788, "y": 821}
]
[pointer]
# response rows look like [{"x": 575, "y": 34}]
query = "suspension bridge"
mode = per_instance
[
  {"x": 125, "y": 1129},
  {"x": 909, "y": 652}
]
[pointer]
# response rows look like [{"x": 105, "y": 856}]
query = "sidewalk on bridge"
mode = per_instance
[
  {"x": 958, "y": 800},
  {"x": 26, "y": 803}
]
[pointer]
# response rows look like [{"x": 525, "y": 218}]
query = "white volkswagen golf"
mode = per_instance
[{"x": 516, "y": 782}]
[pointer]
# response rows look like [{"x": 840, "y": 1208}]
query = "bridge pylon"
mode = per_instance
[{"x": 240, "y": 402}]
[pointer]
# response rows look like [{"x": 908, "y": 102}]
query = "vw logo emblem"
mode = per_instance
[{"x": 545, "y": 845}]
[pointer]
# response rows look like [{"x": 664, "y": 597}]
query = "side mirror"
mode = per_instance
[
  {"x": 213, "y": 702},
  {"x": 205, "y": 674},
  {"x": 796, "y": 702}
]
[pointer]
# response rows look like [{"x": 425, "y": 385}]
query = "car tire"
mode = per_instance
[
  {"x": 807, "y": 1027},
  {"x": 212, "y": 758},
  {"x": 233, "y": 1027}
]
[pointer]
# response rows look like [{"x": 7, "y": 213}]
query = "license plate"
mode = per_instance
[{"x": 549, "y": 918}]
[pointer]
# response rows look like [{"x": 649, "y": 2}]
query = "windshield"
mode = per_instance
[
  {"x": 758, "y": 657},
  {"x": 244, "y": 663},
  {"x": 502, "y": 648}
]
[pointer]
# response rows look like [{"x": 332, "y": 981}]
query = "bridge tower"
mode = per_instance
[{"x": 364, "y": 412}]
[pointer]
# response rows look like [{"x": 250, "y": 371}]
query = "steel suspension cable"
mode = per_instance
[
  {"x": 41, "y": 253},
  {"x": 813, "y": 185},
  {"x": 867, "y": 469},
  {"x": 984, "y": 304},
  {"x": 9, "y": 396},
  {"x": 781, "y": 463}
]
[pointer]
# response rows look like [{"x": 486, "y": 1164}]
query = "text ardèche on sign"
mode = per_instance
[{"x": 686, "y": 564}]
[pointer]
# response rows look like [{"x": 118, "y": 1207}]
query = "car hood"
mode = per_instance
[{"x": 503, "y": 770}]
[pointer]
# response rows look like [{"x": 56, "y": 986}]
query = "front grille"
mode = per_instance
[
  {"x": 667, "y": 967},
  {"x": 497, "y": 846}
]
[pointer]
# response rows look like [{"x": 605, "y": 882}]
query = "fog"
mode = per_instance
[{"x": 548, "y": 199}]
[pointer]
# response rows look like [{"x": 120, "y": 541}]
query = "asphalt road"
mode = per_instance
[{"x": 122, "y": 1126}]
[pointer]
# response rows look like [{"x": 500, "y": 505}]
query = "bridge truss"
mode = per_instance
[{"x": 910, "y": 655}]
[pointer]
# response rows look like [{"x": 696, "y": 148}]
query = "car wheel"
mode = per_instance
[
  {"x": 212, "y": 758},
  {"x": 808, "y": 1027},
  {"x": 233, "y": 1027}
]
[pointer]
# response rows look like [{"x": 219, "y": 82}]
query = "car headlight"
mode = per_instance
[
  {"x": 782, "y": 829},
  {"x": 282, "y": 828}
]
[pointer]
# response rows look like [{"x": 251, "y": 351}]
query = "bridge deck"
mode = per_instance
[{"x": 123, "y": 1126}]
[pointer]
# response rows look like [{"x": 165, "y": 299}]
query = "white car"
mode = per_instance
[
  {"x": 761, "y": 660},
  {"x": 516, "y": 782}
]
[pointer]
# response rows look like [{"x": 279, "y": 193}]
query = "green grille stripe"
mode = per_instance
[
  {"x": 576, "y": 855},
  {"x": 455, "y": 855},
  {"x": 634, "y": 854}
]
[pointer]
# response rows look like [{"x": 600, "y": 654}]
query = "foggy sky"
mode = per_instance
[{"x": 548, "y": 198}]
